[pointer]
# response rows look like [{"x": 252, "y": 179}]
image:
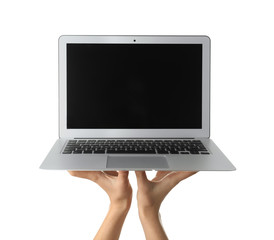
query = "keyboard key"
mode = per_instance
[
  {"x": 70, "y": 147},
  {"x": 120, "y": 151},
  {"x": 88, "y": 151},
  {"x": 117, "y": 151},
  {"x": 184, "y": 152},
  {"x": 162, "y": 152},
  {"x": 77, "y": 152},
  {"x": 173, "y": 152},
  {"x": 100, "y": 151},
  {"x": 67, "y": 152}
]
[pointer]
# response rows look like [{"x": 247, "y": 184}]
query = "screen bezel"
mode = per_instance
[{"x": 64, "y": 132}]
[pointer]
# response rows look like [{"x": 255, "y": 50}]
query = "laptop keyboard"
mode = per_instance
[{"x": 128, "y": 146}]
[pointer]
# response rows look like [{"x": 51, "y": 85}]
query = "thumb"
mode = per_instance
[{"x": 141, "y": 177}]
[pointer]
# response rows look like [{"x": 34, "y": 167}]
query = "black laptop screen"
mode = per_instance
[{"x": 134, "y": 86}]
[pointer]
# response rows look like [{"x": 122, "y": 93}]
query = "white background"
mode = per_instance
[{"x": 39, "y": 204}]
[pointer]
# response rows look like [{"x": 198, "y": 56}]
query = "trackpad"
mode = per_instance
[{"x": 138, "y": 162}]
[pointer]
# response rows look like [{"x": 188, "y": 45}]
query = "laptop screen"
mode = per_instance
[{"x": 134, "y": 86}]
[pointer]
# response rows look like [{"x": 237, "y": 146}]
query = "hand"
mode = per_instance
[
  {"x": 115, "y": 184},
  {"x": 150, "y": 195},
  {"x": 118, "y": 188}
]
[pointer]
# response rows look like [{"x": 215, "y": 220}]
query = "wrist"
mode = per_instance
[
  {"x": 149, "y": 213},
  {"x": 120, "y": 207},
  {"x": 152, "y": 224}
]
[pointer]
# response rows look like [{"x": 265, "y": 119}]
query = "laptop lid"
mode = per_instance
[{"x": 134, "y": 86}]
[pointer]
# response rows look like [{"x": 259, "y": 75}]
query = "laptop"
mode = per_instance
[{"x": 135, "y": 103}]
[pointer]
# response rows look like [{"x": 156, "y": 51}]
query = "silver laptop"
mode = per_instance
[{"x": 135, "y": 103}]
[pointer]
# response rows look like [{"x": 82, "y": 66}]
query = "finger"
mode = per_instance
[
  {"x": 184, "y": 175},
  {"x": 141, "y": 177},
  {"x": 103, "y": 179},
  {"x": 95, "y": 176},
  {"x": 112, "y": 173},
  {"x": 80, "y": 174},
  {"x": 177, "y": 177},
  {"x": 160, "y": 175},
  {"x": 123, "y": 175}
]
